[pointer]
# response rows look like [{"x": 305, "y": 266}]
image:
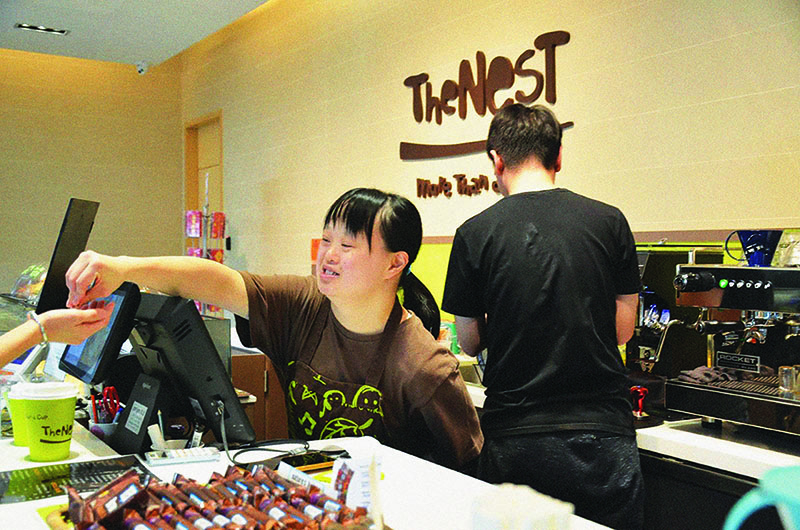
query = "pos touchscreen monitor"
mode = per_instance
[
  {"x": 173, "y": 345},
  {"x": 91, "y": 360},
  {"x": 72, "y": 239}
]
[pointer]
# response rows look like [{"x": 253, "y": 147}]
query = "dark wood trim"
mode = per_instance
[{"x": 437, "y": 240}]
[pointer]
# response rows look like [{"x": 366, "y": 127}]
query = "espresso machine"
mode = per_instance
[
  {"x": 750, "y": 318},
  {"x": 661, "y": 345}
]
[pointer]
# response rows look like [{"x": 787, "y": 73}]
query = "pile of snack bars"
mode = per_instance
[{"x": 249, "y": 500}]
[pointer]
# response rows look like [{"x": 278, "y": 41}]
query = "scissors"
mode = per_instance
[{"x": 110, "y": 402}]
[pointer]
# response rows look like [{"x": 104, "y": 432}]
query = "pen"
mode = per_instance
[
  {"x": 160, "y": 422},
  {"x": 94, "y": 409}
]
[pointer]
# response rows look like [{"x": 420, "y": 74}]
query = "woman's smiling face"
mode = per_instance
[{"x": 347, "y": 268}]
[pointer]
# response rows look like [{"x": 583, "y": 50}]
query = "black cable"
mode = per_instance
[
  {"x": 259, "y": 446},
  {"x": 302, "y": 448},
  {"x": 221, "y": 412}
]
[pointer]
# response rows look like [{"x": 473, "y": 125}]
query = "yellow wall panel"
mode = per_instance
[{"x": 92, "y": 130}]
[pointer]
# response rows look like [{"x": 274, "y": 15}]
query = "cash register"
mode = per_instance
[{"x": 180, "y": 371}]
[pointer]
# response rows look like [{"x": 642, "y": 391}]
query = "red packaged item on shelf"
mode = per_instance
[
  {"x": 157, "y": 518},
  {"x": 216, "y": 477},
  {"x": 217, "y": 225},
  {"x": 217, "y": 254}
]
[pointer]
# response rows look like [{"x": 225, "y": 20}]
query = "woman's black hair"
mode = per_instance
[{"x": 401, "y": 230}]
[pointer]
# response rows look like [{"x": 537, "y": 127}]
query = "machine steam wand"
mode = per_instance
[
  {"x": 752, "y": 328},
  {"x": 664, "y": 329}
]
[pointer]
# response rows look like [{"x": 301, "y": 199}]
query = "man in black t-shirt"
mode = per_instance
[{"x": 547, "y": 282}]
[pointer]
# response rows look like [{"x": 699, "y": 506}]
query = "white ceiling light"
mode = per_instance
[
  {"x": 119, "y": 31},
  {"x": 41, "y": 29}
]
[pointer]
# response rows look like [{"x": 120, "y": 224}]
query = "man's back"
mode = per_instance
[
  {"x": 548, "y": 266},
  {"x": 547, "y": 281}
]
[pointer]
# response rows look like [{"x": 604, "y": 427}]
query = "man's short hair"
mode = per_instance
[{"x": 518, "y": 132}]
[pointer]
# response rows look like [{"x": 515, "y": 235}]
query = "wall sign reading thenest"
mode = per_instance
[{"x": 480, "y": 87}]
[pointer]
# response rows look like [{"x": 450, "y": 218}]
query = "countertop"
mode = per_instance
[
  {"x": 737, "y": 449},
  {"x": 84, "y": 447},
  {"x": 415, "y": 494}
]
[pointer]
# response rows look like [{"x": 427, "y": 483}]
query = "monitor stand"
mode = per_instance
[{"x": 131, "y": 436}]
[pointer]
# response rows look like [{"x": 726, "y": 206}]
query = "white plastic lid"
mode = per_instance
[{"x": 49, "y": 390}]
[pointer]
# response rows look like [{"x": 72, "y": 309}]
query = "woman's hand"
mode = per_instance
[
  {"x": 93, "y": 276},
  {"x": 73, "y": 326}
]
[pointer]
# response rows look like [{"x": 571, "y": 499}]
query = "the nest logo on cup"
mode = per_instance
[
  {"x": 59, "y": 435},
  {"x": 48, "y": 414}
]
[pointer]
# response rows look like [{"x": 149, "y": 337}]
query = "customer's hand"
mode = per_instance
[
  {"x": 93, "y": 276},
  {"x": 73, "y": 326}
]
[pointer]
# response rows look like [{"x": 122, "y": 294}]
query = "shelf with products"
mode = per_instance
[{"x": 205, "y": 233}]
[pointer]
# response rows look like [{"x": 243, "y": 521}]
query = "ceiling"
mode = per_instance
[{"x": 120, "y": 31}]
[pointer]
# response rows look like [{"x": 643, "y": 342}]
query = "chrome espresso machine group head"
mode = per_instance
[{"x": 751, "y": 316}]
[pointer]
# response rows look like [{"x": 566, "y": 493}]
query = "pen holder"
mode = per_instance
[{"x": 102, "y": 430}]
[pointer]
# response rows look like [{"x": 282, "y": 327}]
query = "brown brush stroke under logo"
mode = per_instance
[{"x": 412, "y": 151}]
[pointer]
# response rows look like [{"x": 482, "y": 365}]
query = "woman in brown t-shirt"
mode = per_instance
[{"x": 352, "y": 359}]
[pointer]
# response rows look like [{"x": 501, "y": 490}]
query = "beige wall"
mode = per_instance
[
  {"x": 92, "y": 130},
  {"x": 685, "y": 117},
  {"x": 685, "y": 112}
]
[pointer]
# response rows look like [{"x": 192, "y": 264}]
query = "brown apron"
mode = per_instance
[{"x": 321, "y": 408}]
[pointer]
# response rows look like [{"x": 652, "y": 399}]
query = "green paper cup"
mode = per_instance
[
  {"x": 49, "y": 414},
  {"x": 16, "y": 408}
]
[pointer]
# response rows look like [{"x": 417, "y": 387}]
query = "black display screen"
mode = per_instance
[{"x": 90, "y": 360}]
